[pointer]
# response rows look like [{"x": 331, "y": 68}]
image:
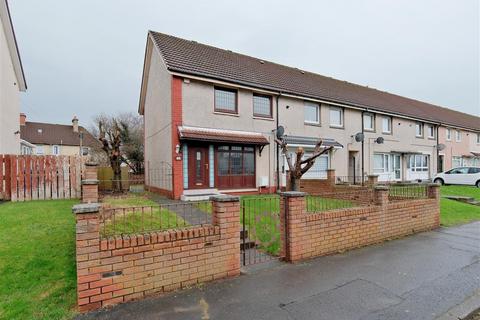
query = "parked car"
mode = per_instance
[{"x": 461, "y": 175}]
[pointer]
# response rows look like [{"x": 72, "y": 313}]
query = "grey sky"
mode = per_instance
[{"x": 85, "y": 57}]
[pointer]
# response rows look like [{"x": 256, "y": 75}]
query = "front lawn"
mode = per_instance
[
  {"x": 454, "y": 212},
  {"x": 37, "y": 260}
]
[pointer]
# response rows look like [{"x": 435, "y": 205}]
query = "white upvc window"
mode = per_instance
[
  {"x": 368, "y": 121},
  {"x": 336, "y": 117},
  {"x": 478, "y": 137},
  {"x": 39, "y": 150},
  {"x": 458, "y": 135},
  {"x": 457, "y": 162},
  {"x": 312, "y": 113},
  {"x": 319, "y": 168},
  {"x": 55, "y": 150},
  {"x": 431, "y": 131},
  {"x": 387, "y": 125},
  {"x": 448, "y": 134},
  {"x": 381, "y": 163},
  {"x": 419, "y": 129},
  {"x": 418, "y": 162}
]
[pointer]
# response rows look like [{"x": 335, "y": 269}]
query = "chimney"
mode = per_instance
[
  {"x": 75, "y": 124},
  {"x": 23, "y": 119}
]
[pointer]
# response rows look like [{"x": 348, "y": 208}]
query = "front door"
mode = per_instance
[{"x": 198, "y": 167}]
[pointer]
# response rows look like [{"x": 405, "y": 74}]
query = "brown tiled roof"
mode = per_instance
[
  {"x": 55, "y": 134},
  {"x": 190, "y": 57},
  {"x": 219, "y": 135}
]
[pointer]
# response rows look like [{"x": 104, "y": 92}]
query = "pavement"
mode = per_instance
[{"x": 432, "y": 275}]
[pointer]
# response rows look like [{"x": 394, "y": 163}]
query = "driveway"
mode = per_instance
[{"x": 419, "y": 277}]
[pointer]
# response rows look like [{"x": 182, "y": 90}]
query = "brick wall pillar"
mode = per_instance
[
  {"x": 433, "y": 192},
  {"x": 90, "y": 183},
  {"x": 88, "y": 256},
  {"x": 226, "y": 215},
  {"x": 292, "y": 215},
  {"x": 380, "y": 195},
  {"x": 331, "y": 177},
  {"x": 372, "y": 179}
]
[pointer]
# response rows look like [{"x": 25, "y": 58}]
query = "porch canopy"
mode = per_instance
[
  {"x": 311, "y": 142},
  {"x": 222, "y": 135},
  {"x": 475, "y": 154}
]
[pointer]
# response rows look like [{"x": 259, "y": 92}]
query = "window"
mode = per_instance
[
  {"x": 431, "y": 131},
  {"x": 380, "y": 163},
  {"x": 456, "y": 162},
  {"x": 336, "y": 117},
  {"x": 56, "y": 150},
  {"x": 478, "y": 137},
  {"x": 473, "y": 170},
  {"x": 225, "y": 100},
  {"x": 319, "y": 168},
  {"x": 418, "y": 162},
  {"x": 419, "y": 129},
  {"x": 458, "y": 136},
  {"x": 312, "y": 113},
  {"x": 262, "y": 106},
  {"x": 448, "y": 134},
  {"x": 235, "y": 166},
  {"x": 368, "y": 121},
  {"x": 39, "y": 149},
  {"x": 458, "y": 171},
  {"x": 387, "y": 125}
]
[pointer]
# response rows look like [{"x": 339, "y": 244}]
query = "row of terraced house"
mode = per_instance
[{"x": 211, "y": 116}]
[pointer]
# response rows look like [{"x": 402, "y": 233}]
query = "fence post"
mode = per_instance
[
  {"x": 226, "y": 215},
  {"x": 434, "y": 191},
  {"x": 90, "y": 183},
  {"x": 381, "y": 195},
  {"x": 372, "y": 179},
  {"x": 331, "y": 177},
  {"x": 292, "y": 212},
  {"x": 88, "y": 256}
]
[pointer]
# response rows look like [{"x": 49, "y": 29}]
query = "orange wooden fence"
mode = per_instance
[{"x": 24, "y": 178}]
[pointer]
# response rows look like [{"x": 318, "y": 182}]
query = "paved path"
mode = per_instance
[
  {"x": 184, "y": 209},
  {"x": 418, "y": 277}
]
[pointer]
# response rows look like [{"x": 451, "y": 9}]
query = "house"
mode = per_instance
[
  {"x": 211, "y": 116},
  {"x": 55, "y": 139},
  {"x": 460, "y": 148},
  {"x": 12, "y": 82}
]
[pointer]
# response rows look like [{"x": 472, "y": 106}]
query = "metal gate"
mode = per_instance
[{"x": 260, "y": 238}]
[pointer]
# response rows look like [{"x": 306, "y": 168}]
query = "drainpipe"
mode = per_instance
[
  {"x": 438, "y": 151},
  {"x": 363, "y": 152},
  {"x": 278, "y": 147}
]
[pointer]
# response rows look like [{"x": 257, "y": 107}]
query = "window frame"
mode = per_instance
[
  {"x": 372, "y": 115},
  {"x": 342, "y": 115},
  {"x": 390, "y": 121},
  {"x": 430, "y": 126},
  {"x": 311, "y": 104},
  {"x": 448, "y": 134},
  {"x": 220, "y": 110},
  {"x": 422, "y": 130},
  {"x": 458, "y": 136},
  {"x": 478, "y": 138},
  {"x": 41, "y": 149},
  {"x": 53, "y": 150},
  {"x": 259, "y": 115}
]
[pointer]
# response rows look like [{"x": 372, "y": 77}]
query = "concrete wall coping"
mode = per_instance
[
  {"x": 225, "y": 198},
  {"x": 86, "y": 208},
  {"x": 90, "y": 181},
  {"x": 293, "y": 194},
  {"x": 381, "y": 188},
  {"x": 91, "y": 163}
]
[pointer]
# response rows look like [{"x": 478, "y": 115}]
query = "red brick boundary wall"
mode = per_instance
[
  {"x": 123, "y": 268},
  {"x": 311, "y": 235}
]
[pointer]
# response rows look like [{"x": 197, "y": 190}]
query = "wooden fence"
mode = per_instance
[
  {"x": 105, "y": 178},
  {"x": 28, "y": 177}
]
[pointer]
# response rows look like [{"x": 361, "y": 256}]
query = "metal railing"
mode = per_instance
[
  {"x": 338, "y": 200},
  {"x": 398, "y": 192},
  {"x": 355, "y": 180},
  {"x": 141, "y": 219}
]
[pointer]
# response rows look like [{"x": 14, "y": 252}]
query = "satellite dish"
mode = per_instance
[
  {"x": 379, "y": 140},
  {"x": 359, "y": 137},
  {"x": 440, "y": 146},
  {"x": 280, "y": 132}
]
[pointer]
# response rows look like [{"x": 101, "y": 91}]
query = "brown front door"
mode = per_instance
[{"x": 198, "y": 167}]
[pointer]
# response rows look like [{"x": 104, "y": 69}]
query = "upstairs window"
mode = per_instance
[
  {"x": 55, "y": 150},
  {"x": 458, "y": 135},
  {"x": 262, "y": 106},
  {"x": 39, "y": 150},
  {"x": 448, "y": 134},
  {"x": 368, "y": 122},
  {"x": 225, "y": 100},
  {"x": 419, "y": 129},
  {"x": 431, "y": 131},
  {"x": 387, "y": 125},
  {"x": 478, "y": 137},
  {"x": 336, "y": 117},
  {"x": 312, "y": 113}
]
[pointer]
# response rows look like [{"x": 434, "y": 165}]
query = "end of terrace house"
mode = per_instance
[{"x": 211, "y": 117}]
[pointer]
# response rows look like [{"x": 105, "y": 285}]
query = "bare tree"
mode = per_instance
[{"x": 298, "y": 169}]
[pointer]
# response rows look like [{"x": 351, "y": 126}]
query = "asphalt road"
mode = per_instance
[{"x": 417, "y": 277}]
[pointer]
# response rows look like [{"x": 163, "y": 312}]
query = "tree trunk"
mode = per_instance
[
  {"x": 117, "y": 175},
  {"x": 294, "y": 184}
]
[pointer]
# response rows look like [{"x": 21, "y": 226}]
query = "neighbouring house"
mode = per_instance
[
  {"x": 56, "y": 139},
  {"x": 12, "y": 82},
  {"x": 211, "y": 116},
  {"x": 461, "y": 148}
]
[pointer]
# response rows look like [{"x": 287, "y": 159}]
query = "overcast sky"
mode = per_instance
[{"x": 85, "y": 57}]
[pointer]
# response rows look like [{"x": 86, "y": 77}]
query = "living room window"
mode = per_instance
[{"x": 225, "y": 100}]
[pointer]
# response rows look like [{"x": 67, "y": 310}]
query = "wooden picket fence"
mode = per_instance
[{"x": 29, "y": 177}]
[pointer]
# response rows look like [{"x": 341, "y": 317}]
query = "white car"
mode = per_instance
[{"x": 462, "y": 175}]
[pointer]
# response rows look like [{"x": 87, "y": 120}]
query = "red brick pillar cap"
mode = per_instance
[
  {"x": 381, "y": 188},
  {"x": 225, "y": 198},
  {"x": 293, "y": 194},
  {"x": 86, "y": 208}
]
